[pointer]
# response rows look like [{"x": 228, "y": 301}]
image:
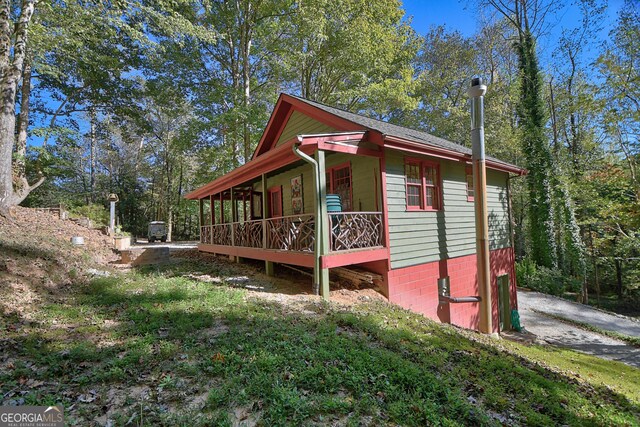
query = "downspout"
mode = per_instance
[
  {"x": 316, "y": 247},
  {"x": 476, "y": 93}
]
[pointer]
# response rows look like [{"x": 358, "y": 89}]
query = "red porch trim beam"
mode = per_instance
[
  {"x": 338, "y": 259},
  {"x": 274, "y": 159},
  {"x": 441, "y": 153},
  {"x": 284, "y": 257}
]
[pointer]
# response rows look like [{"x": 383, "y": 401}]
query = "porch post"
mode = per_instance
[
  {"x": 212, "y": 207},
  {"x": 201, "y": 217},
  {"x": 221, "y": 209},
  {"x": 268, "y": 265},
  {"x": 322, "y": 239},
  {"x": 233, "y": 220}
]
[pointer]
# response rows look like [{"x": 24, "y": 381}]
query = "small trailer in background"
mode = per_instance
[{"x": 157, "y": 231}]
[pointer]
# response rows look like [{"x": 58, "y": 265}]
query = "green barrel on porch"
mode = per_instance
[{"x": 334, "y": 204}]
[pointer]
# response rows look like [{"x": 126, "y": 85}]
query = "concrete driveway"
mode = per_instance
[{"x": 533, "y": 306}]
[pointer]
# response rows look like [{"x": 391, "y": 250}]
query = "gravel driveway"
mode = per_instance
[{"x": 562, "y": 334}]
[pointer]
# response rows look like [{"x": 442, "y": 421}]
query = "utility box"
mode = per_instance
[{"x": 157, "y": 231}]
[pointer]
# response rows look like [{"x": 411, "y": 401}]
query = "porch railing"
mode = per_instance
[
  {"x": 291, "y": 233},
  {"x": 355, "y": 230},
  {"x": 349, "y": 230}
]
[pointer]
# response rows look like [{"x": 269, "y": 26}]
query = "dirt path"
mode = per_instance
[{"x": 534, "y": 305}]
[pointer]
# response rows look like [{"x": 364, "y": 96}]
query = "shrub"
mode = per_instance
[
  {"x": 98, "y": 214},
  {"x": 543, "y": 279}
]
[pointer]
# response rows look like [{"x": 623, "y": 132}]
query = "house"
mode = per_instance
[{"x": 327, "y": 188}]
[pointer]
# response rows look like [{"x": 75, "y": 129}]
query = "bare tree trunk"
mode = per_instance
[
  {"x": 619, "y": 289},
  {"x": 10, "y": 72},
  {"x": 20, "y": 166},
  {"x": 92, "y": 155},
  {"x": 246, "y": 76}
]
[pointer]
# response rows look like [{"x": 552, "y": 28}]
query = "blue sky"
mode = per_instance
[{"x": 461, "y": 16}]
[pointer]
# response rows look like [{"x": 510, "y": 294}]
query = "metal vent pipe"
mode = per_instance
[{"x": 476, "y": 93}]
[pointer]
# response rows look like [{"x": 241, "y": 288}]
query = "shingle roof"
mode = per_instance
[{"x": 395, "y": 130}]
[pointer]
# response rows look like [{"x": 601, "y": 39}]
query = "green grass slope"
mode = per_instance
[{"x": 158, "y": 348}]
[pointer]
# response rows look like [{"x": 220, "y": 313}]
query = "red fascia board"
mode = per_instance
[
  {"x": 273, "y": 159},
  {"x": 338, "y": 259},
  {"x": 274, "y": 127},
  {"x": 355, "y": 150},
  {"x": 285, "y": 257},
  {"x": 420, "y": 148}
]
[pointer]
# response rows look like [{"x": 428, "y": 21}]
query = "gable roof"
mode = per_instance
[
  {"x": 386, "y": 128},
  {"x": 348, "y": 121}
]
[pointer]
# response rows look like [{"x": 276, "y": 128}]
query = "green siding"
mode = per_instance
[
  {"x": 362, "y": 181},
  {"x": 284, "y": 179},
  {"x": 300, "y": 124},
  {"x": 419, "y": 237},
  {"x": 363, "y": 170}
]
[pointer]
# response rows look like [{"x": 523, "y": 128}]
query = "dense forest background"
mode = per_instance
[{"x": 150, "y": 99}]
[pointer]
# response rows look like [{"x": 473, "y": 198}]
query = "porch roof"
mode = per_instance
[{"x": 283, "y": 155}]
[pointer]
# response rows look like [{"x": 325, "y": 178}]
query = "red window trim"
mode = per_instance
[
  {"x": 423, "y": 186},
  {"x": 469, "y": 173},
  {"x": 330, "y": 184},
  {"x": 414, "y": 162}
]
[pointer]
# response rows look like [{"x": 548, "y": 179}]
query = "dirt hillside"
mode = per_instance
[{"x": 36, "y": 256}]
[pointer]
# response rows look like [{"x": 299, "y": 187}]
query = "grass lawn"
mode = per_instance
[{"x": 157, "y": 348}]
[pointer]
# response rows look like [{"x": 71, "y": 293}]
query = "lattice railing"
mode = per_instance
[
  {"x": 248, "y": 234},
  {"x": 291, "y": 233},
  {"x": 221, "y": 234},
  {"x": 355, "y": 230}
]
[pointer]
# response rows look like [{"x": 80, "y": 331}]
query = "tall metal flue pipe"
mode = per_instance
[{"x": 476, "y": 93}]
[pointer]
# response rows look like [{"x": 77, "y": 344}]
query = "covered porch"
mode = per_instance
[{"x": 274, "y": 208}]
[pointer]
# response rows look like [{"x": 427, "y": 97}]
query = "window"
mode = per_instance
[
  {"x": 422, "y": 185},
  {"x": 414, "y": 185},
  {"x": 339, "y": 182},
  {"x": 469, "y": 179}
]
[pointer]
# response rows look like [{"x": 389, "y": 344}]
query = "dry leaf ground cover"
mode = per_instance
[{"x": 200, "y": 342}]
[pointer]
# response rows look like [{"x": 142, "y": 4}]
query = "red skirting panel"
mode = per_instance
[{"x": 416, "y": 287}]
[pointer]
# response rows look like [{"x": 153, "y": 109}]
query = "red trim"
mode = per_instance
[
  {"x": 385, "y": 210},
  {"x": 338, "y": 259},
  {"x": 437, "y": 186},
  {"x": 321, "y": 115},
  {"x": 357, "y": 150},
  {"x": 468, "y": 170},
  {"x": 283, "y": 125},
  {"x": 274, "y": 124},
  {"x": 284, "y": 257},
  {"x": 421, "y": 148},
  {"x": 274, "y": 159},
  {"x": 331, "y": 187}
]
